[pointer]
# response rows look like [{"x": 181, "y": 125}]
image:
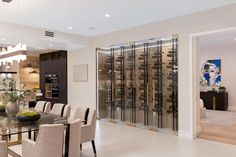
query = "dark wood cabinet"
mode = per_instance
[
  {"x": 53, "y": 76},
  {"x": 215, "y": 100}
]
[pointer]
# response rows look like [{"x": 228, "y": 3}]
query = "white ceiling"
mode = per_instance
[{"x": 84, "y": 14}]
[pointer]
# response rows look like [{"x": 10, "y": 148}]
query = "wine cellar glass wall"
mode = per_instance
[{"x": 137, "y": 83}]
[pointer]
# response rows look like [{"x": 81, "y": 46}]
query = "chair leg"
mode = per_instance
[
  {"x": 94, "y": 148},
  {"x": 81, "y": 147},
  {"x": 29, "y": 135}
]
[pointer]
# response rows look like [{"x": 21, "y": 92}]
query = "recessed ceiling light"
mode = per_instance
[
  {"x": 235, "y": 39},
  {"x": 50, "y": 45},
  {"x": 107, "y": 15},
  {"x": 70, "y": 27},
  {"x": 3, "y": 39}
]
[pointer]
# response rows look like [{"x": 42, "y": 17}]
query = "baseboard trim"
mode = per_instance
[{"x": 185, "y": 134}]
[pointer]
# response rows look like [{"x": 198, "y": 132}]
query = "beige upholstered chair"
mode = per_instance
[
  {"x": 67, "y": 111},
  {"x": 81, "y": 113},
  {"x": 75, "y": 135},
  {"x": 3, "y": 149},
  {"x": 88, "y": 130},
  {"x": 61, "y": 109},
  {"x": 43, "y": 106},
  {"x": 49, "y": 142}
]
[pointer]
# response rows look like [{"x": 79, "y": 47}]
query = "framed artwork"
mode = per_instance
[
  {"x": 211, "y": 73},
  {"x": 80, "y": 73}
]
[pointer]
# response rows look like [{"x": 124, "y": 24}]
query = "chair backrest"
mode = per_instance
[
  {"x": 61, "y": 109},
  {"x": 75, "y": 138},
  {"x": 43, "y": 106},
  {"x": 3, "y": 149},
  {"x": 67, "y": 111},
  {"x": 50, "y": 140},
  {"x": 88, "y": 130},
  {"x": 81, "y": 113}
]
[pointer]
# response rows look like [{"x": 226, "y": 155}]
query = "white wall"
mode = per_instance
[
  {"x": 227, "y": 54},
  {"x": 84, "y": 93}
]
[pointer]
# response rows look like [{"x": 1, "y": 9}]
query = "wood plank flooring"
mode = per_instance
[{"x": 219, "y": 133}]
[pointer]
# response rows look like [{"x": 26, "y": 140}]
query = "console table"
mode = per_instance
[{"x": 215, "y": 100}]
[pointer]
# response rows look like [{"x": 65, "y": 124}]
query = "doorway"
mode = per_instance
[{"x": 214, "y": 85}]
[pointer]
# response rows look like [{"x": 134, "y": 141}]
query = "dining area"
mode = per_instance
[{"x": 47, "y": 130}]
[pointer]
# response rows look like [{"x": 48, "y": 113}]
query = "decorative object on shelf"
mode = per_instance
[
  {"x": 211, "y": 73},
  {"x": 28, "y": 116},
  {"x": 222, "y": 89},
  {"x": 10, "y": 54}
]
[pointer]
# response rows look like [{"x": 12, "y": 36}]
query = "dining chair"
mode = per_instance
[
  {"x": 49, "y": 142},
  {"x": 88, "y": 130},
  {"x": 43, "y": 106},
  {"x": 74, "y": 138},
  {"x": 62, "y": 110},
  {"x": 82, "y": 114},
  {"x": 3, "y": 149}
]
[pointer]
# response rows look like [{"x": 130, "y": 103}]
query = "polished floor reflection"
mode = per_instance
[
  {"x": 122, "y": 141},
  {"x": 113, "y": 140}
]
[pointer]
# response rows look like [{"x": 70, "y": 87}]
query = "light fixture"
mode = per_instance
[
  {"x": 10, "y": 54},
  {"x": 70, "y": 27},
  {"x": 50, "y": 45},
  {"x": 107, "y": 15},
  {"x": 2, "y": 39},
  {"x": 8, "y": 1},
  {"x": 235, "y": 39},
  {"x": 33, "y": 72},
  {"x": 7, "y": 74}
]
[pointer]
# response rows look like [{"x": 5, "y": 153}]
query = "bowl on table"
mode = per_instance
[
  {"x": 2, "y": 108},
  {"x": 28, "y": 116}
]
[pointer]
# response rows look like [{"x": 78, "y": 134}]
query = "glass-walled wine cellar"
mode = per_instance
[{"x": 137, "y": 83}]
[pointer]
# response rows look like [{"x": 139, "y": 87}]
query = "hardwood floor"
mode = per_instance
[{"x": 219, "y": 133}]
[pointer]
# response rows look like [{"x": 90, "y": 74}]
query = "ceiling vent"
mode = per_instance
[
  {"x": 8, "y": 1},
  {"x": 49, "y": 34}
]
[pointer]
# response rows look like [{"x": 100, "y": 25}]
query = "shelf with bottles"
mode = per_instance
[{"x": 51, "y": 86}]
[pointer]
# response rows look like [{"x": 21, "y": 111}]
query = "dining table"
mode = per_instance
[{"x": 11, "y": 126}]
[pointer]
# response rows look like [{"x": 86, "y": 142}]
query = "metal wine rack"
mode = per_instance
[
  {"x": 131, "y": 87},
  {"x": 120, "y": 78},
  {"x": 141, "y": 82},
  {"x": 158, "y": 83},
  {"x": 110, "y": 74},
  {"x": 173, "y": 86}
]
